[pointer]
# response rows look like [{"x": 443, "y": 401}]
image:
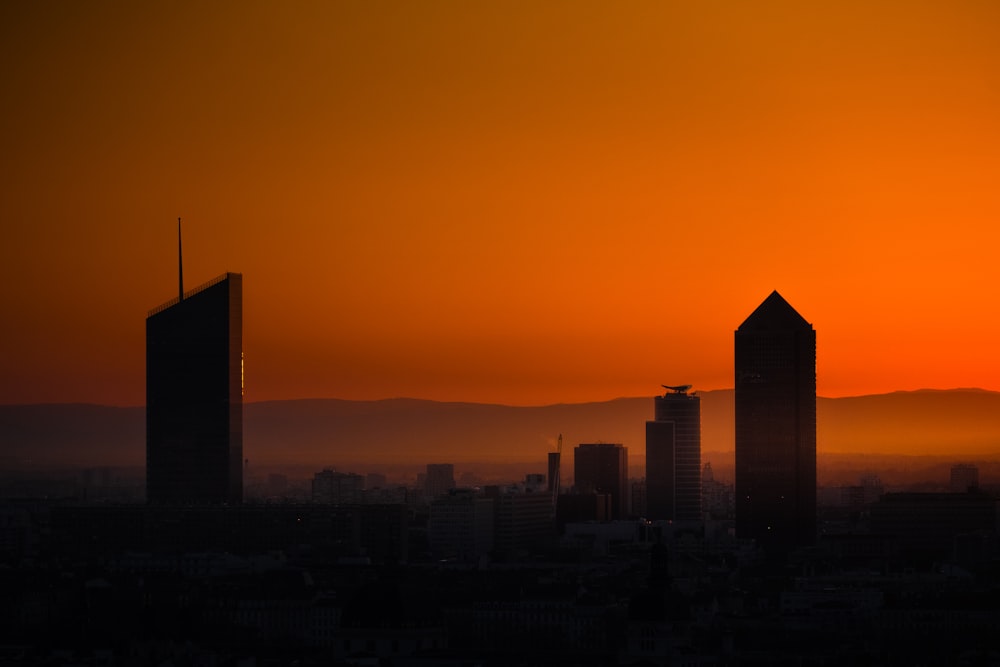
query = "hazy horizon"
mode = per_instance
[
  {"x": 519, "y": 405},
  {"x": 953, "y": 424}
]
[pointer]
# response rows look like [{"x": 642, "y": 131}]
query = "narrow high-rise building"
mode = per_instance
[
  {"x": 603, "y": 468},
  {"x": 194, "y": 396},
  {"x": 776, "y": 426},
  {"x": 673, "y": 457}
]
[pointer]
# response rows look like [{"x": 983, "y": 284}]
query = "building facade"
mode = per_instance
[
  {"x": 439, "y": 479},
  {"x": 673, "y": 457},
  {"x": 194, "y": 396},
  {"x": 337, "y": 488},
  {"x": 776, "y": 426},
  {"x": 603, "y": 468},
  {"x": 964, "y": 476},
  {"x": 716, "y": 497},
  {"x": 523, "y": 523},
  {"x": 461, "y": 526}
]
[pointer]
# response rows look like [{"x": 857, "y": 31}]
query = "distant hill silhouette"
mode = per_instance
[
  {"x": 74, "y": 434},
  {"x": 960, "y": 423}
]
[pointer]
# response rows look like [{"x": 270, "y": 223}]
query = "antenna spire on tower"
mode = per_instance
[{"x": 180, "y": 264}]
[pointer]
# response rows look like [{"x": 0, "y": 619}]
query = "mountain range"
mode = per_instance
[{"x": 957, "y": 424}]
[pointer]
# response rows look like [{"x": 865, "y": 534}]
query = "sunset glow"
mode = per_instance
[{"x": 506, "y": 203}]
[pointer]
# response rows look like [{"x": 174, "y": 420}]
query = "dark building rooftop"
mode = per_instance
[
  {"x": 191, "y": 292},
  {"x": 774, "y": 314}
]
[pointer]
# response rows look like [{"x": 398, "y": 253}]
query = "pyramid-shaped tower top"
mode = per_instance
[{"x": 774, "y": 314}]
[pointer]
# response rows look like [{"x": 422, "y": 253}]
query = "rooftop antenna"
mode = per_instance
[{"x": 180, "y": 264}]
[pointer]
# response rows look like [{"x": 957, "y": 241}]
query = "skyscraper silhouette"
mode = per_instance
[
  {"x": 603, "y": 468},
  {"x": 776, "y": 426},
  {"x": 673, "y": 457},
  {"x": 194, "y": 396}
]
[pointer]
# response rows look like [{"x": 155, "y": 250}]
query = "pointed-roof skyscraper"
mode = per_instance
[{"x": 776, "y": 426}]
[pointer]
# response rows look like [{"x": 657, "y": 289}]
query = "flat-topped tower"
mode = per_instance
[{"x": 673, "y": 456}]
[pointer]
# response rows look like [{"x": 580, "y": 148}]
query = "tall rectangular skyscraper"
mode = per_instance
[
  {"x": 194, "y": 396},
  {"x": 776, "y": 426},
  {"x": 603, "y": 468},
  {"x": 673, "y": 457}
]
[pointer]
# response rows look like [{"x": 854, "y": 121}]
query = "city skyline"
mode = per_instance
[
  {"x": 489, "y": 205},
  {"x": 476, "y": 237}
]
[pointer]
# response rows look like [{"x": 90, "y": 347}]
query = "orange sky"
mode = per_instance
[{"x": 508, "y": 202}]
